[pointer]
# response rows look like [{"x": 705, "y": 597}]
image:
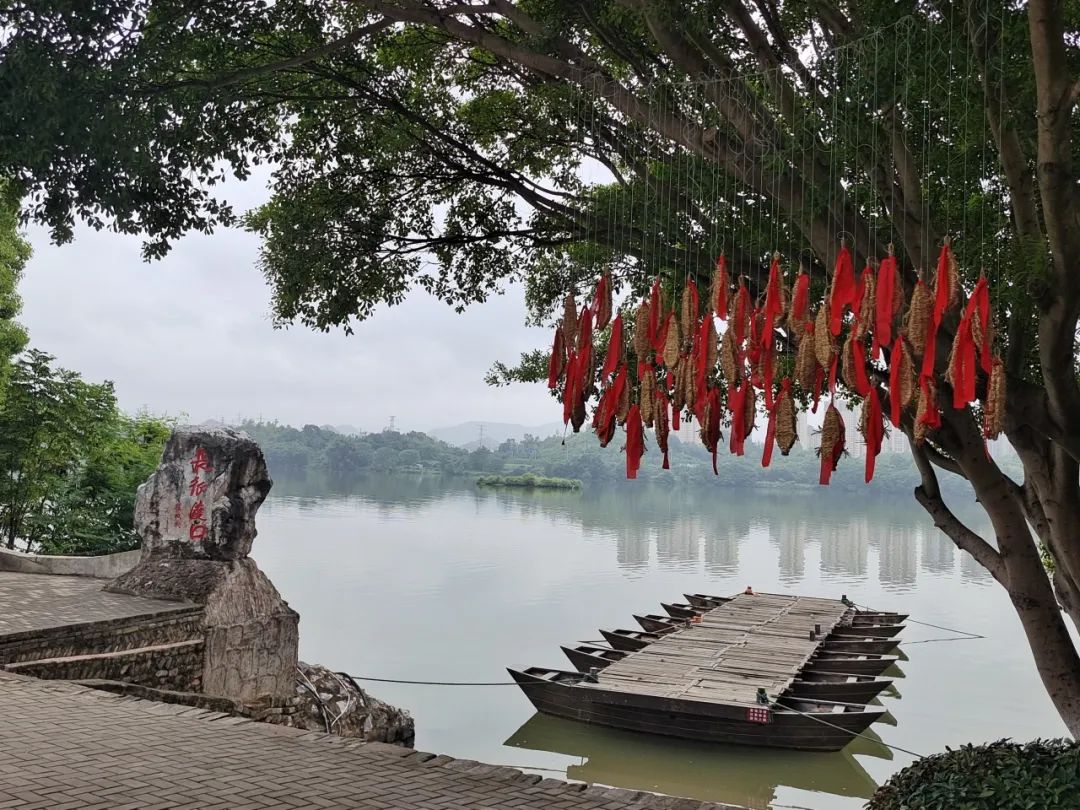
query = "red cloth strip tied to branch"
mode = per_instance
[
  {"x": 774, "y": 301},
  {"x": 737, "y": 397},
  {"x": 896, "y": 365},
  {"x": 654, "y": 312},
  {"x": 741, "y": 317},
  {"x": 602, "y": 301},
  {"x": 614, "y": 349},
  {"x": 884, "y": 305},
  {"x": 962, "y": 371},
  {"x": 557, "y": 362},
  {"x": 661, "y": 336},
  {"x": 770, "y": 430},
  {"x": 585, "y": 353},
  {"x": 873, "y": 431},
  {"x": 607, "y": 410},
  {"x": 981, "y": 296},
  {"x": 942, "y": 295},
  {"x": 570, "y": 389},
  {"x": 843, "y": 292},
  {"x": 635, "y": 441},
  {"x": 720, "y": 286}
]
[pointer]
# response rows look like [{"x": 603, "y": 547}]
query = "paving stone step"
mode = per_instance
[{"x": 174, "y": 665}]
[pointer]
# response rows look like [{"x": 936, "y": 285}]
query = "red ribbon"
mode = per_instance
[
  {"x": 819, "y": 379},
  {"x": 700, "y": 356},
  {"x": 964, "y": 369},
  {"x": 875, "y": 432},
  {"x": 770, "y": 434},
  {"x": 737, "y": 403},
  {"x": 843, "y": 289},
  {"x": 932, "y": 417},
  {"x": 941, "y": 303},
  {"x": 895, "y": 383},
  {"x": 557, "y": 362},
  {"x": 885, "y": 293},
  {"x": 635, "y": 441},
  {"x": 570, "y": 390},
  {"x": 603, "y": 312},
  {"x": 662, "y": 406},
  {"x": 981, "y": 294},
  {"x": 742, "y": 308},
  {"x": 614, "y": 348},
  {"x": 662, "y": 333},
  {"x": 654, "y": 312},
  {"x": 720, "y": 305},
  {"x": 712, "y": 430},
  {"x": 800, "y": 298},
  {"x": 862, "y": 382},
  {"x": 585, "y": 348},
  {"x": 774, "y": 305}
]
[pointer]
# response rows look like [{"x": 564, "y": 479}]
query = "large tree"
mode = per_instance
[{"x": 441, "y": 144}]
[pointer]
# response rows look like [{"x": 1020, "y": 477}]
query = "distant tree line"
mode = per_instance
[{"x": 294, "y": 451}]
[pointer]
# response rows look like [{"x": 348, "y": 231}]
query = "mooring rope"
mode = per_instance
[
  {"x": 854, "y": 733},
  {"x": 966, "y": 635}
]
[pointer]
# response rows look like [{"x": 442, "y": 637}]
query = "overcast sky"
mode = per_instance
[{"x": 192, "y": 334}]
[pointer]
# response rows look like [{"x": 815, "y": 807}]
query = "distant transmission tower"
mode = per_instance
[
  {"x": 481, "y": 434},
  {"x": 390, "y": 427}
]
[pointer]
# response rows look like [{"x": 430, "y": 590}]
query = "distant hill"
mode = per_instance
[{"x": 467, "y": 434}]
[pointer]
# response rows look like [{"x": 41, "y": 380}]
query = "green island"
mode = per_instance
[{"x": 527, "y": 481}]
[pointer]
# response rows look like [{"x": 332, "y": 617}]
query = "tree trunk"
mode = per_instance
[{"x": 1055, "y": 654}]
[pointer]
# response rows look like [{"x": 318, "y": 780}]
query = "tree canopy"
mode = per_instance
[{"x": 454, "y": 147}]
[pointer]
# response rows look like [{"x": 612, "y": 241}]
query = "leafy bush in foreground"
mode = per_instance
[{"x": 1039, "y": 775}]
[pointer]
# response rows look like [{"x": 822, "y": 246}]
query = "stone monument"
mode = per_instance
[{"x": 196, "y": 518}]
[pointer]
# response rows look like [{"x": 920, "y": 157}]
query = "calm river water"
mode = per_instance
[{"x": 429, "y": 579}]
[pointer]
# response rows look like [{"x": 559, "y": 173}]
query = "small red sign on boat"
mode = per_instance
[{"x": 761, "y": 715}]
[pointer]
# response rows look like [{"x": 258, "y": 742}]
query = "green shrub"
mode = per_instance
[{"x": 1039, "y": 775}]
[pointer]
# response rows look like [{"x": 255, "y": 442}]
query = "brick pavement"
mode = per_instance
[
  {"x": 65, "y": 747},
  {"x": 39, "y": 601}
]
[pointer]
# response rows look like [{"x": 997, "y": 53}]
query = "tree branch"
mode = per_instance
[{"x": 928, "y": 494}]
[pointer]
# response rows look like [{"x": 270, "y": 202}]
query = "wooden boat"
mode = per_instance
[
  {"x": 869, "y": 630},
  {"x": 702, "y": 600},
  {"x": 811, "y": 683},
  {"x": 860, "y": 617},
  {"x": 662, "y": 625},
  {"x": 839, "y": 686},
  {"x": 877, "y": 617},
  {"x": 789, "y": 722},
  {"x": 857, "y": 665},
  {"x": 629, "y": 640},
  {"x": 680, "y": 611},
  {"x": 653, "y": 623},
  {"x": 878, "y": 646}
]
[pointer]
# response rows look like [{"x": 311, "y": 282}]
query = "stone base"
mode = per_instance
[{"x": 331, "y": 703}]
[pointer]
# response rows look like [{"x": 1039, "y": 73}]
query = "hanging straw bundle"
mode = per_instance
[
  {"x": 718, "y": 292},
  {"x": 832, "y": 443},
  {"x": 688, "y": 309},
  {"x": 729, "y": 356},
  {"x": 824, "y": 342},
  {"x": 786, "y": 429},
  {"x": 678, "y": 393},
  {"x": 865, "y": 320},
  {"x": 926, "y": 415},
  {"x": 648, "y": 397},
  {"x": 918, "y": 318},
  {"x": 806, "y": 364},
  {"x": 994, "y": 405},
  {"x": 641, "y": 332},
  {"x": 672, "y": 344},
  {"x": 710, "y": 347},
  {"x": 623, "y": 406},
  {"x": 602, "y": 301},
  {"x": 570, "y": 320},
  {"x": 662, "y": 421}
]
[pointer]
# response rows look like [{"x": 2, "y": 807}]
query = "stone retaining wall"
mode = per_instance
[
  {"x": 106, "y": 566},
  {"x": 176, "y": 666},
  {"x": 102, "y": 637}
]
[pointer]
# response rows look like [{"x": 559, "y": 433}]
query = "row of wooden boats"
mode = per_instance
[{"x": 762, "y": 669}]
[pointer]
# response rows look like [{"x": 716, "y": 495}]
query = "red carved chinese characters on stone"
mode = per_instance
[{"x": 197, "y": 489}]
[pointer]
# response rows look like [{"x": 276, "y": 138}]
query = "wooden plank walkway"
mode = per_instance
[{"x": 752, "y": 642}]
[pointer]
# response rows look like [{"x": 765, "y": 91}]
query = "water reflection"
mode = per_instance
[
  {"x": 738, "y": 775},
  {"x": 682, "y": 528}
]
